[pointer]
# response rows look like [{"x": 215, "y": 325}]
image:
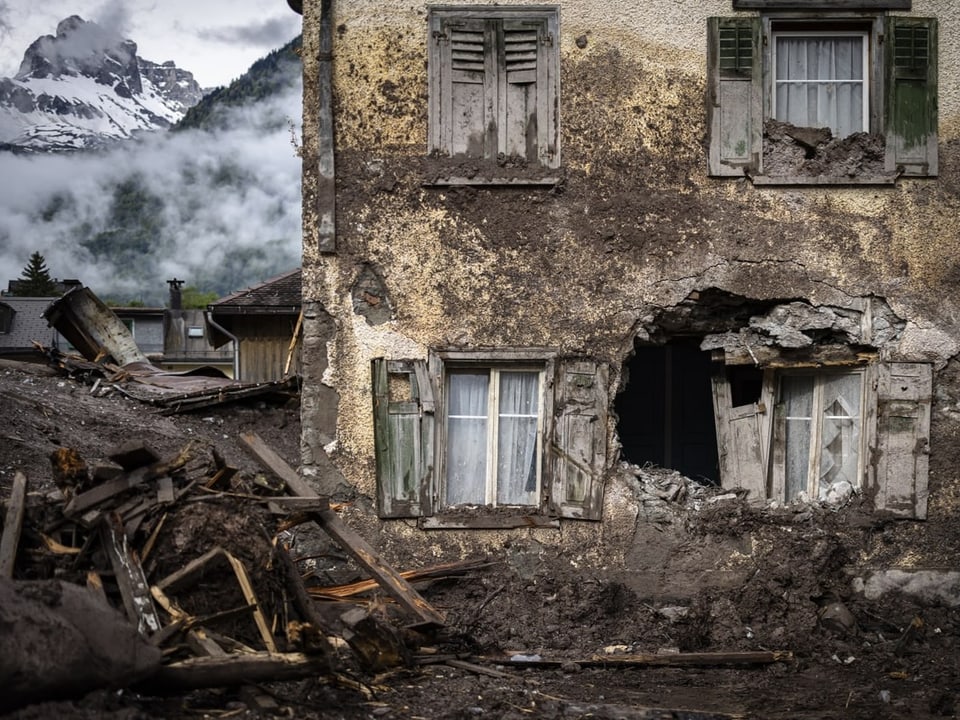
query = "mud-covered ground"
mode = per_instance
[{"x": 861, "y": 665}]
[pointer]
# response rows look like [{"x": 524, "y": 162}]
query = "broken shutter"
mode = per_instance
[
  {"x": 911, "y": 95},
  {"x": 734, "y": 102},
  {"x": 403, "y": 435},
  {"x": 743, "y": 437},
  {"x": 901, "y": 457},
  {"x": 578, "y": 446}
]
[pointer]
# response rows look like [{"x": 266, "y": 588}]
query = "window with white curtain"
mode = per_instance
[
  {"x": 823, "y": 432},
  {"x": 494, "y": 428},
  {"x": 821, "y": 80}
]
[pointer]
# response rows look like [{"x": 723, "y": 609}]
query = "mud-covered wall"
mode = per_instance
[{"x": 635, "y": 227}]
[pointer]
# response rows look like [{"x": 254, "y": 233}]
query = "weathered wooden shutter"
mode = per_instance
[
  {"x": 911, "y": 95},
  {"x": 527, "y": 77},
  {"x": 467, "y": 107},
  {"x": 735, "y": 94},
  {"x": 403, "y": 409},
  {"x": 578, "y": 447},
  {"x": 901, "y": 456},
  {"x": 743, "y": 438}
]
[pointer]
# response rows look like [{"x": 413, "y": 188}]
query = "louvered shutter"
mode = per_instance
[
  {"x": 911, "y": 95},
  {"x": 578, "y": 447},
  {"x": 526, "y": 126},
  {"x": 403, "y": 436},
  {"x": 734, "y": 103}
]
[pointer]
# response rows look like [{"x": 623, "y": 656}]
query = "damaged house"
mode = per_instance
[{"x": 546, "y": 243}]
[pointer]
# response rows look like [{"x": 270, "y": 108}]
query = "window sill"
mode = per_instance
[
  {"x": 764, "y": 180},
  {"x": 480, "y": 521},
  {"x": 548, "y": 181}
]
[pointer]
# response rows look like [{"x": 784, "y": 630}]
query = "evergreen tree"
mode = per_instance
[{"x": 35, "y": 280}]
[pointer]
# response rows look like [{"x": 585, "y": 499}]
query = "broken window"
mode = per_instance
[
  {"x": 494, "y": 84},
  {"x": 826, "y": 434},
  {"x": 822, "y": 422},
  {"x": 837, "y": 97},
  {"x": 499, "y": 439}
]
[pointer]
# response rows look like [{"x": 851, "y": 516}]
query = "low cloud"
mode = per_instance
[
  {"x": 221, "y": 211},
  {"x": 268, "y": 33}
]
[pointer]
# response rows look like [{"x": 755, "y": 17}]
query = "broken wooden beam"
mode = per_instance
[
  {"x": 277, "y": 465},
  {"x": 702, "y": 659},
  {"x": 302, "y": 601},
  {"x": 359, "y": 549},
  {"x": 12, "y": 525},
  {"x": 389, "y": 579},
  {"x": 232, "y": 670},
  {"x": 134, "y": 588}
]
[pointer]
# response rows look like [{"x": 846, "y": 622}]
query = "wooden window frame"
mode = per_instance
[
  {"x": 902, "y": 71},
  {"x": 494, "y": 65}
]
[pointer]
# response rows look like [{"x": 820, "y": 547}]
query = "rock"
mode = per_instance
[
  {"x": 61, "y": 641},
  {"x": 837, "y": 618}
]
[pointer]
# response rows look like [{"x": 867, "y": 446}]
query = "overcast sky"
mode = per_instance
[{"x": 216, "y": 40}]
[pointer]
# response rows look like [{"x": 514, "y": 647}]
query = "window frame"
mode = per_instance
[
  {"x": 493, "y": 416},
  {"x": 867, "y": 81},
  {"x": 442, "y": 115},
  {"x": 812, "y": 487},
  {"x": 902, "y": 101},
  {"x": 410, "y": 438}
]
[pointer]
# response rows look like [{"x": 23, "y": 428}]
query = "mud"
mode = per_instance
[{"x": 799, "y": 565}]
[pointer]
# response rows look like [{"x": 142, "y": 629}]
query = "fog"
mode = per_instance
[{"x": 224, "y": 208}]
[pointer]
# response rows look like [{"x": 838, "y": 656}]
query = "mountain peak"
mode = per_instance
[{"x": 87, "y": 85}]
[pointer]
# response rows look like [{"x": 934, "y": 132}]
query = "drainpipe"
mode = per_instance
[
  {"x": 326, "y": 186},
  {"x": 236, "y": 343}
]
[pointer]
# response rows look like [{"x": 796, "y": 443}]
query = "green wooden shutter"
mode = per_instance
[
  {"x": 578, "y": 447},
  {"x": 901, "y": 455},
  {"x": 911, "y": 95},
  {"x": 403, "y": 436},
  {"x": 735, "y": 94}
]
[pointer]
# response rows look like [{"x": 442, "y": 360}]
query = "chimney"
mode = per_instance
[{"x": 176, "y": 300}]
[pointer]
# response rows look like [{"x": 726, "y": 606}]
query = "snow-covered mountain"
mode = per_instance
[{"x": 87, "y": 88}]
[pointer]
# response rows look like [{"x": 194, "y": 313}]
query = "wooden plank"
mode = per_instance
[
  {"x": 130, "y": 577},
  {"x": 389, "y": 579},
  {"x": 276, "y": 464},
  {"x": 12, "y": 525},
  {"x": 234, "y": 669},
  {"x": 246, "y": 587},
  {"x": 104, "y": 492},
  {"x": 704, "y": 659}
]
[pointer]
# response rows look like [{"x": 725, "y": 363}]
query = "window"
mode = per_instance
[
  {"x": 815, "y": 433},
  {"x": 494, "y": 85},
  {"x": 495, "y": 439},
  {"x": 850, "y": 73},
  {"x": 494, "y": 443},
  {"x": 820, "y": 80},
  {"x": 6, "y": 318},
  {"x": 822, "y": 429}
]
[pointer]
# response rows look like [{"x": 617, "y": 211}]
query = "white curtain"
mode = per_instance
[
  {"x": 467, "y": 437},
  {"x": 517, "y": 441},
  {"x": 840, "y": 433},
  {"x": 820, "y": 82}
]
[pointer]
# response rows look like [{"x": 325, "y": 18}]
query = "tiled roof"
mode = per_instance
[
  {"x": 28, "y": 323},
  {"x": 283, "y": 291}
]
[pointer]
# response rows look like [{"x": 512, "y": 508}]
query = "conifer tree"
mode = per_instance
[{"x": 35, "y": 280}]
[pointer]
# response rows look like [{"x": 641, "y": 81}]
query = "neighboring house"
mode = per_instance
[
  {"x": 264, "y": 322},
  {"x": 187, "y": 345},
  {"x": 146, "y": 326},
  {"x": 22, "y": 324},
  {"x": 726, "y": 243}
]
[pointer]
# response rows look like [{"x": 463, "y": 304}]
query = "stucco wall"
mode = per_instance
[{"x": 635, "y": 227}]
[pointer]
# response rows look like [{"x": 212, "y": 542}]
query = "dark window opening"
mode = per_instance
[
  {"x": 746, "y": 384},
  {"x": 666, "y": 409}
]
